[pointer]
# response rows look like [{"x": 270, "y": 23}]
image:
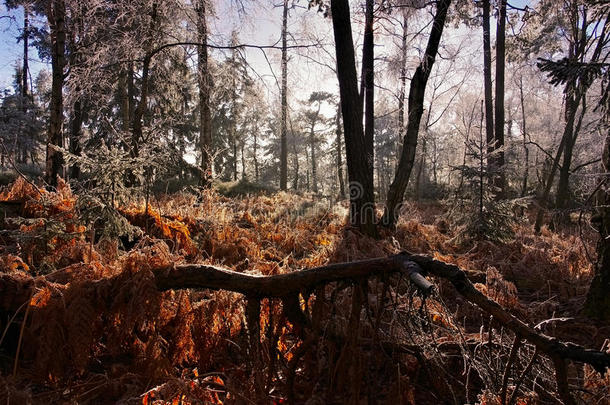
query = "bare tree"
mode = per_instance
[
  {"x": 416, "y": 108},
  {"x": 56, "y": 14}
]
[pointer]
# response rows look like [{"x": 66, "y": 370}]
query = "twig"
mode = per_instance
[
  {"x": 511, "y": 359},
  {"x": 525, "y": 371},
  {"x": 25, "y": 319}
]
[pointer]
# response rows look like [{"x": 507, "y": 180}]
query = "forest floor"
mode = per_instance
[{"x": 83, "y": 322}]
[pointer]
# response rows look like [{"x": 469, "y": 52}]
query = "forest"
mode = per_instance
[{"x": 305, "y": 202}]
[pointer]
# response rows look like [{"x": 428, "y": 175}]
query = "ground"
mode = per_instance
[{"x": 84, "y": 322}]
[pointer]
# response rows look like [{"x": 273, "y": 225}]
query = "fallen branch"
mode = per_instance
[
  {"x": 18, "y": 289},
  {"x": 550, "y": 346},
  {"x": 281, "y": 285}
]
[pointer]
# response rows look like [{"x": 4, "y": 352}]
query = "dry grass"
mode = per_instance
[{"x": 98, "y": 331}]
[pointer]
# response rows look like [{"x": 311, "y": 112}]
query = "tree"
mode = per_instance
[
  {"x": 571, "y": 73},
  {"x": 499, "y": 177},
  {"x": 205, "y": 84},
  {"x": 312, "y": 118},
  {"x": 56, "y": 15},
  {"x": 489, "y": 118},
  {"x": 362, "y": 198},
  {"x": 582, "y": 38},
  {"x": 284, "y": 101},
  {"x": 416, "y": 108},
  {"x": 367, "y": 92},
  {"x": 339, "y": 152}
]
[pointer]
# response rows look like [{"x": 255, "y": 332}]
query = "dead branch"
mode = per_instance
[{"x": 18, "y": 289}]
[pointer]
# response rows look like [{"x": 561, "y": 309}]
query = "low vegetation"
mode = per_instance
[{"x": 95, "y": 329}]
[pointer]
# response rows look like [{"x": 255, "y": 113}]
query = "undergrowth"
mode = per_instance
[{"x": 96, "y": 329}]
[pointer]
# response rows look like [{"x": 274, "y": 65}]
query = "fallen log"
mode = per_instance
[
  {"x": 17, "y": 290},
  {"x": 281, "y": 285}
]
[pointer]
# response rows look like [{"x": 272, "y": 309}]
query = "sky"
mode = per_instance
[
  {"x": 11, "y": 52},
  {"x": 259, "y": 25}
]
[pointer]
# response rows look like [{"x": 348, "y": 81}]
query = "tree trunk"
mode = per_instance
[
  {"x": 489, "y": 105},
  {"x": 234, "y": 123},
  {"x": 567, "y": 132},
  {"x": 368, "y": 76},
  {"x": 598, "y": 299},
  {"x": 131, "y": 92},
  {"x": 76, "y": 123},
  {"x": 26, "y": 49},
  {"x": 563, "y": 186},
  {"x": 25, "y": 98},
  {"x": 283, "y": 129},
  {"x": 243, "y": 159},
  {"x": 254, "y": 156},
  {"x": 498, "y": 175},
  {"x": 295, "y": 181},
  {"x": 123, "y": 94},
  {"x": 75, "y": 135},
  {"x": 205, "y": 121},
  {"x": 526, "y": 151},
  {"x": 339, "y": 153},
  {"x": 362, "y": 200},
  {"x": 138, "y": 115},
  {"x": 140, "y": 110},
  {"x": 416, "y": 108},
  {"x": 403, "y": 85},
  {"x": 314, "y": 166},
  {"x": 54, "y": 160}
]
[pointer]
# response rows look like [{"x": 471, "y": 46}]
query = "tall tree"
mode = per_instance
[
  {"x": 581, "y": 38},
  {"x": 498, "y": 175},
  {"x": 339, "y": 152},
  {"x": 489, "y": 107},
  {"x": 403, "y": 83},
  {"x": 56, "y": 14},
  {"x": 362, "y": 199},
  {"x": 284, "y": 101},
  {"x": 417, "y": 91},
  {"x": 368, "y": 88},
  {"x": 583, "y": 33},
  {"x": 26, "y": 48},
  {"x": 205, "y": 84}
]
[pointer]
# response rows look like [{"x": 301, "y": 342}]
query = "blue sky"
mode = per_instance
[{"x": 11, "y": 52}]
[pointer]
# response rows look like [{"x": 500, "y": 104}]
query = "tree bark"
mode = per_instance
[
  {"x": 417, "y": 91},
  {"x": 284, "y": 101},
  {"x": 76, "y": 127},
  {"x": 254, "y": 154},
  {"x": 498, "y": 174},
  {"x": 489, "y": 104},
  {"x": 339, "y": 150},
  {"x": 55, "y": 138},
  {"x": 368, "y": 76},
  {"x": 598, "y": 299},
  {"x": 76, "y": 124},
  {"x": 233, "y": 128},
  {"x": 314, "y": 163},
  {"x": 526, "y": 150},
  {"x": 563, "y": 185},
  {"x": 362, "y": 200},
  {"x": 403, "y": 85},
  {"x": 123, "y": 95},
  {"x": 138, "y": 115},
  {"x": 205, "y": 120}
]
